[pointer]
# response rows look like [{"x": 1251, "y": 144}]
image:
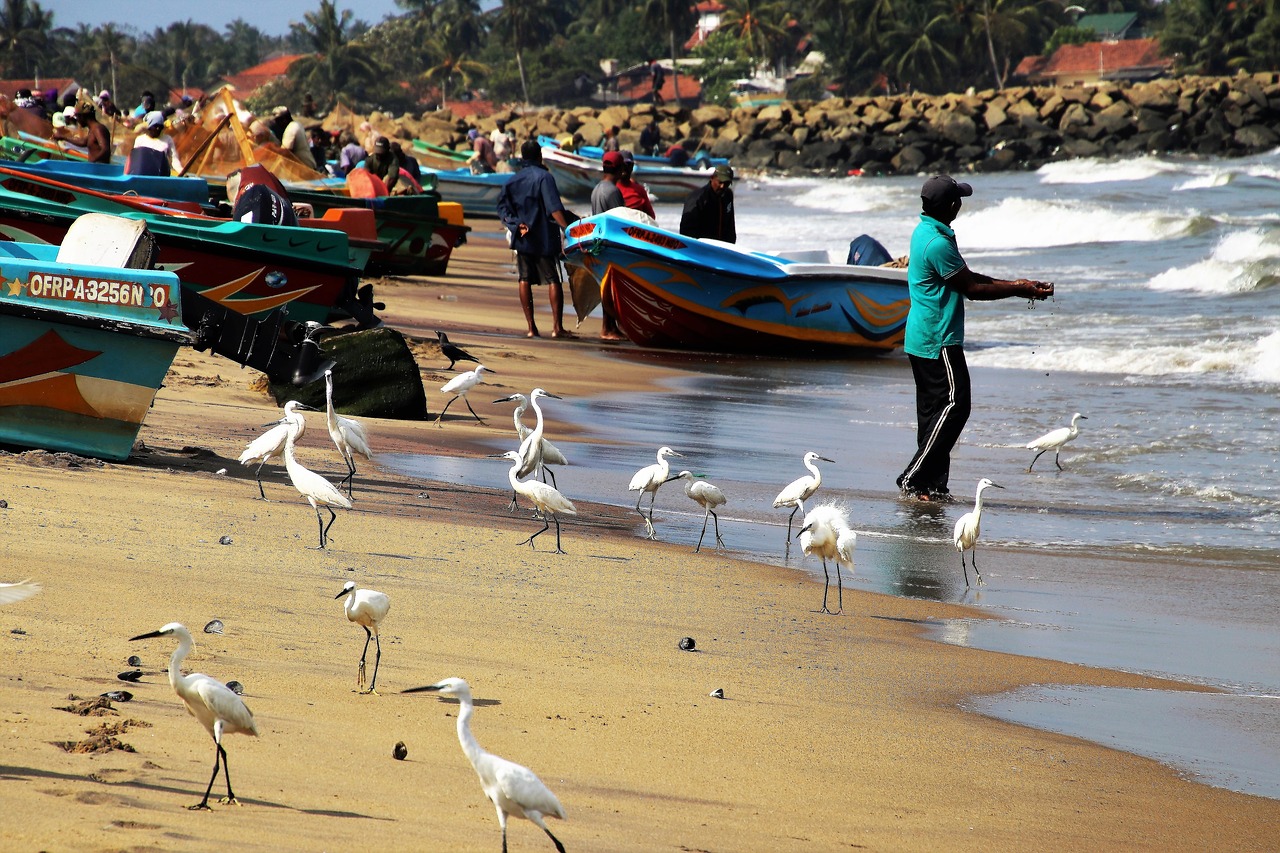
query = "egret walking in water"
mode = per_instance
[
  {"x": 459, "y": 385},
  {"x": 649, "y": 479},
  {"x": 215, "y": 705},
  {"x": 799, "y": 491},
  {"x": 969, "y": 528},
  {"x": 513, "y": 789},
  {"x": 826, "y": 532},
  {"x": 11, "y": 593},
  {"x": 708, "y": 497},
  {"x": 452, "y": 352},
  {"x": 1055, "y": 440},
  {"x": 367, "y": 608},
  {"x": 545, "y": 499},
  {"x": 536, "y": 453},
  {"x": 316, "y": 489},
  {"x": 348, "y": 435},
  {"x": 271, "y": 443}
]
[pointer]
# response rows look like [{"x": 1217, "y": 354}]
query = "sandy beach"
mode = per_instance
[{"x": 836, "y": 732}]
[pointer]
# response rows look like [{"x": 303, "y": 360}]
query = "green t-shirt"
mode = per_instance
[{"x": 936, "y": 318}]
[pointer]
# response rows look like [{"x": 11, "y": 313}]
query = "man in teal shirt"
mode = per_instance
[{"x": 939, "y": 281}]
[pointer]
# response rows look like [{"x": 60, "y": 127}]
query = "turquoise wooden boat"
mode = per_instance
[
  {"x": 83, "y": 350},
  {"x": 672, "y": 291}
]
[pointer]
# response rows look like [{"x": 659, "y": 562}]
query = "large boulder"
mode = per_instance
[
  {"x": 374, "y": 375},
  {"x": 955, "y": 127}
]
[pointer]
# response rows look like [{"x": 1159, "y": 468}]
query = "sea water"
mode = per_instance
[{"x": 1156, "y": 550}]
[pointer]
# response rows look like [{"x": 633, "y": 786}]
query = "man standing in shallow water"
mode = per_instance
[
  {"x": 939, "y": 281},
  {"x": 528, "y": 204}
]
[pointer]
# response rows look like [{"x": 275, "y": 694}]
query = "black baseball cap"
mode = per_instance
[{"x": 941, "y": 189}]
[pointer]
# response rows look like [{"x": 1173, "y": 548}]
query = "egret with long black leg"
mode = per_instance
[
  {"x": 1055, "y": 441},
  {"x": 513, "y": 789},
  {"x": 459, "y": 385},
  {"x": 367, "y": 608},
  {"x": 800, "y": 490},
  {"x": 453, "y": 352},
  {"x": 536, "y": 453},
  {"x": 316, "y": 489},
  {"x": 348, "y": 435},
  {"x": 707, "y": 496},
  {"x": 969, "y": 528},
  {"x": 647, "y": 481},
  {"x": 545, "y": 499},
  {"x": 270, "y": 444},
  {"x": 826, "y": 533},
  {"x": 211, "y": 702}
]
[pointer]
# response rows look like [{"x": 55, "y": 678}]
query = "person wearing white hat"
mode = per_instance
[{"x": 154, "y": 153}]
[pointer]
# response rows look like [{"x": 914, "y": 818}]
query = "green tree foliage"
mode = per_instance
[
  {"x": 24, "y": 37},
  {"x": 335, "y": 62}
]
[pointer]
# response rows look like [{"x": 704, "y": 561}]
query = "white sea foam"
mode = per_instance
[
  {"x": 1249, "y": 360},
  {"x": 1207, "y": 180},
  {"x": 1095, "y": 171},
  {"x": 1016, "y": 223},
  {"x": 852, "y": 195},
  {"x": 1241, "y": 261},
  {"x": 1266, "y": 362}
]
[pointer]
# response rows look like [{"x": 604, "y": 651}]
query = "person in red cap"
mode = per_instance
[
  {"x": 606, "y": 194},
  {"x": 939, "y": 281}
]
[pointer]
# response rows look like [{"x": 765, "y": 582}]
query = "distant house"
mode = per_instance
[
  {"x": 1130, "y": 60},
  {"x": 635, "y": 85},
  {"x": 247, "y": 82},
  {"x": 39, "y": 84},
  {"x": 1110, "y": 27},
  {"x": 709, "y": 13}
]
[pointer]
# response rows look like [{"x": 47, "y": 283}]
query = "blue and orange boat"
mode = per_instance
[
  {"x": 83, "y": 347},
  {"x": 676, "y": 292}
]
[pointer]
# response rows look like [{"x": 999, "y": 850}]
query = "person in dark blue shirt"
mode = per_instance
[{"x": 528, "y": 205}]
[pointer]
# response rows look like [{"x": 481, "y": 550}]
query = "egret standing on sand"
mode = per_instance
[
  {"x": 271, "y": 443},
  {"x": 545, "y": 499},
  {"x": 1055, "y": 440},
  {"x": 799, "y": 491},
  {"x": 708, "y": 497},
  {"x": 316, "y": 489},
  {"x": 535, "y": 451},
  {"x": 11, "y": 593},
  {"x": 968, "y": 528},
  {"x": 452, "y": 352},
  {"x": 826, "y": 532},
  {"x": 648, "y": 479},
  {"x": 458, "y": 386},
  {"x": 215, "y": 705},
  {"x": 367, "y": 608},
  {"x": 348, "y": 435},
  {"x": 513, "y": 789}
]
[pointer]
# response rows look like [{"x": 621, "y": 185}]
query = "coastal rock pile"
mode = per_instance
[{"x": 1016, "y": 128}]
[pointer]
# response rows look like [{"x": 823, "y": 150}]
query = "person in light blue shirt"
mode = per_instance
[{"x": 939, "y": 281}]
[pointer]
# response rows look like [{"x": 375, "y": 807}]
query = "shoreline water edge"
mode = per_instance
[{"x": 832, "y": 730}]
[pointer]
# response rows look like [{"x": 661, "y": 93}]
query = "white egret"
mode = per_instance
[
  {"x": 271, "y": 443},
  {"x": 969, "y": 528},
  {"x": 215, "y": 705},
  {"x": 708, "y": 497},
  {"x": 799, "y": 491},
  {"x": 826, "y": 532},
  {"x": 545, "y": 499},
  {"x": 535, "y": 452},
  {"x": 11, "y": 593},
  {"x": 348, "y": 435},
  {"x": 459, "y": 385},
  {"x": 648, "y": 479},
  {"x": 316, "y": 489},
  {"x": 367, "y": 608},
  {"x": 1055, "y": 440},
  {"x": 513, "y": 789},
  {"x": 453, "y": 352}
]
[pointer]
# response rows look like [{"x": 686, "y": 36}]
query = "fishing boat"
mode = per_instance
[
  {"x": 699, "y": 159},
  {"x": 478, "y": 194},
  {"x": 246, "y": 268},
  {"x": 84, "y": 342},
  {"x": 576, "y": 176},
  {"x": 439, "y": 157},
  {"x": 676, "y": 292}
]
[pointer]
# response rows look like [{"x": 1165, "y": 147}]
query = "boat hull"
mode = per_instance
[
  {"x": 670, "y": 291},
  {"x": 83, "y": 351},
  {"x": 576, "y": 176}
]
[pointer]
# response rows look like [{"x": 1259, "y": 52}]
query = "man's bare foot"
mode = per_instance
[
  {"x": 532, "y": 333},
  {"x": 610, "y": 336},
  {"x": 563, "y": 333}
]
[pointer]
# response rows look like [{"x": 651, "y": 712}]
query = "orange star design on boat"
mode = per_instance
[{"x": 15, "y": 287}]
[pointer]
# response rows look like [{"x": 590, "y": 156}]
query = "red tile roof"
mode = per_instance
[
  {"x": 249, "y": 80},
  {"x": 1119, "y": 59},
  {"x": 44, "y": 84}
]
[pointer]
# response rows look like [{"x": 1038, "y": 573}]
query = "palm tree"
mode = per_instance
[
  {"x": 24, "y": 32},
  {"x": 452, "y": 65},
  {"x": 921, "y": 47},
  {"x": 525, "y": 23},
  {"x": 671, "y": 16},
  {"x": 182, "y": 54},
  {"x": 337, "y": 61}
]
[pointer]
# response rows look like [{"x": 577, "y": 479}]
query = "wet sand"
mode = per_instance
[{"x": 836, "y": 731}]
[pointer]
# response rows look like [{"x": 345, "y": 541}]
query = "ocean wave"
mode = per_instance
[
  {"x": 1092, "y": 170},
  {"x": 850, "y": 195},
  {"x": 1242, "y": 261},
  {"x": 1018, "y": 223}
]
